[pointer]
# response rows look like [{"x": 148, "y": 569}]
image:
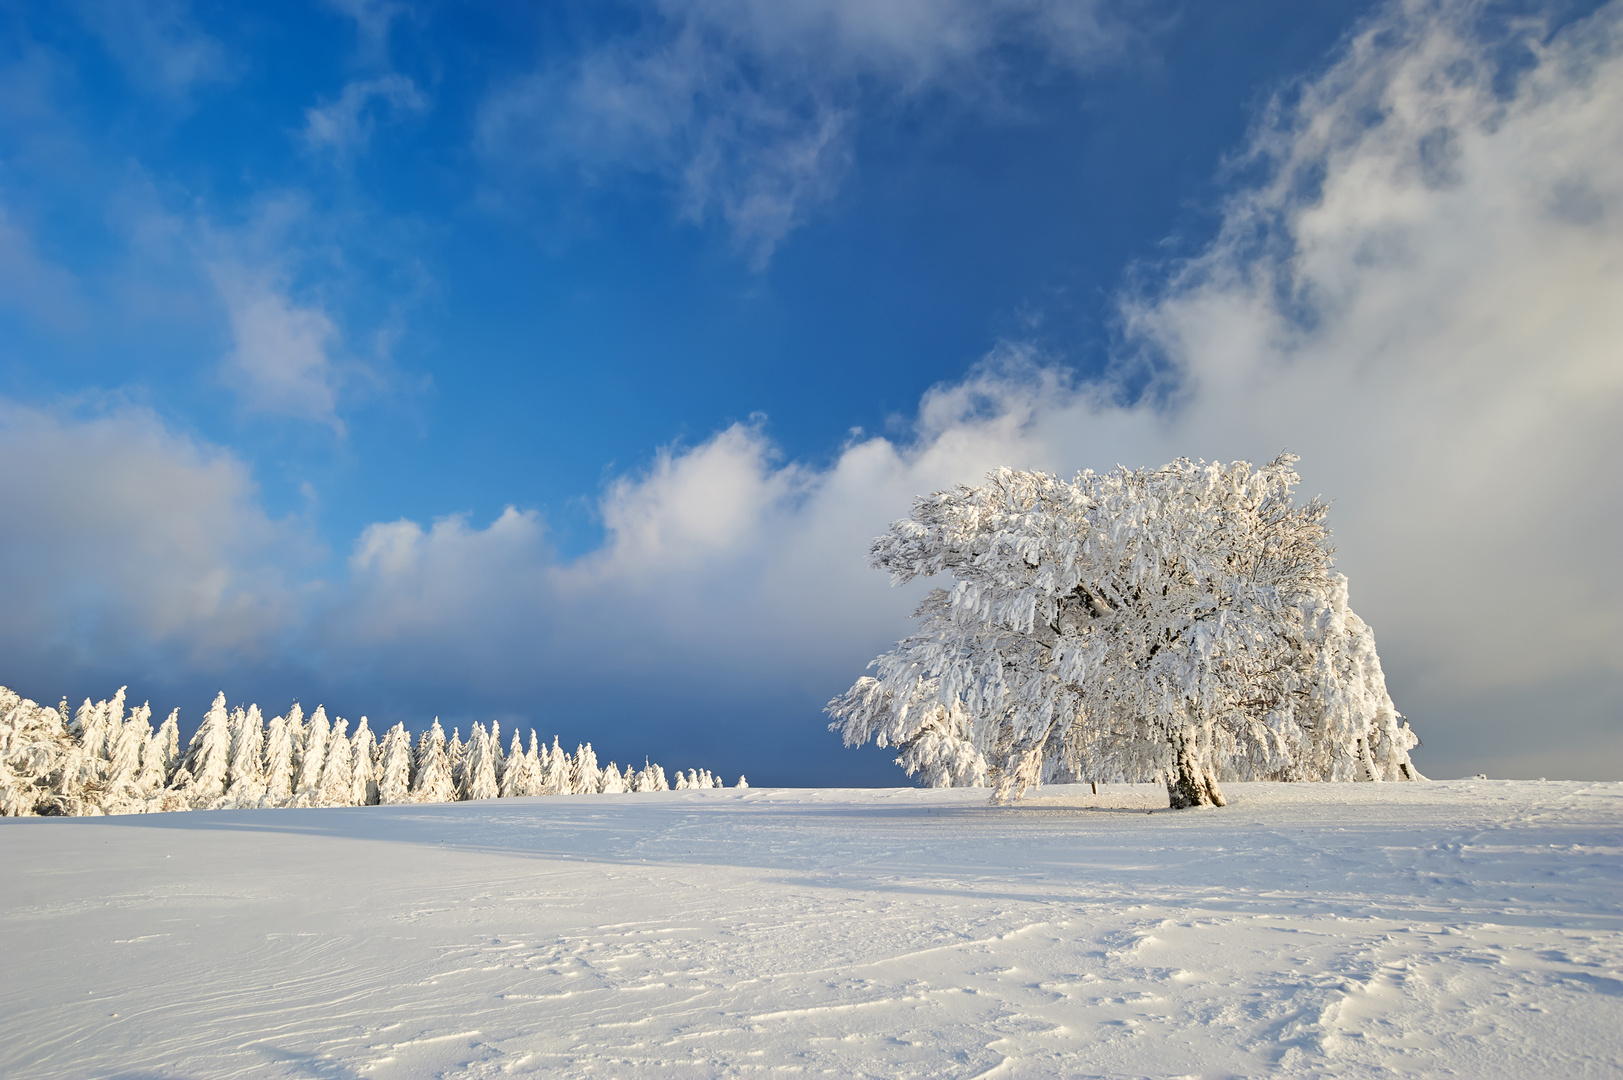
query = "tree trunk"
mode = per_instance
[{"x": 1189, "y": 782}]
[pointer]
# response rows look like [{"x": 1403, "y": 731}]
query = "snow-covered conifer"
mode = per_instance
[
  {"x": 363, "y": 756},
  {"x": 296, "y": 734},
  {"x": 499, "y": 763},
  {"x": 313, "y": 759},
  {"x": 584, "y": 775},
  {"x": 456, "y": 752},
  {"x": 612, "y": 783},
  {"x": 35, "y": 749},
  {"x": 742, "y": 783},
  {"x": 208, "y": 758},
  {"x": 431, "y": 778},
  {"x": 479, "y": 766},
  {"x": 536, "y": 763},
  {"x": 515, "y": 774},
  {"x": 1181, "y": 622},
  {"x": 124, "y": 757},
  {"x": 245, "y": 781},
  {"x": 653, "y": 777},
  {"x": 681, "y": 781},
  {"x": 278, "y": 762},
  {"x": 123, "y": 792},
  {"x": 160, "y": 761},
  {"x": 84, "y": 773},
  {"x": 556, "y": 780},
  {"x": 394, "y": 766},
  {"x": 96, "y": 725},
  {"x": 337, "y": 769}
]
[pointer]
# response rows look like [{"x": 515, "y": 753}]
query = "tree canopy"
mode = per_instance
[{"x": 1184, "y": 622}]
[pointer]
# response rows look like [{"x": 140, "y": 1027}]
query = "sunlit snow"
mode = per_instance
[{"x": 1453, "y": 928}]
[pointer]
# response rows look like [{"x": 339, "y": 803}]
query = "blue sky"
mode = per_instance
[{"x": 557, "y": 365}]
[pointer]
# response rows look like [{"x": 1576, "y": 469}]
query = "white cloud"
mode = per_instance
[
  {"x": 747, "y": 107},
  {"x": 124, "y": 544},
  {"x": 280, "y": 360},
  {"x": 344, "y": 127}
]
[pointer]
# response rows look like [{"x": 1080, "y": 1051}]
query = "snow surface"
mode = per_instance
[{"x": 1462, "y": 928}]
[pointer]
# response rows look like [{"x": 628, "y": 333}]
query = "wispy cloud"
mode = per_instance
[
  {"x": 747, "y": 109},
  {"x": 343, "y": 127},
  {"x": 374, "y": 22},
  {"x": 159, "y": 44},
  {"x": 33, "y": 286}
]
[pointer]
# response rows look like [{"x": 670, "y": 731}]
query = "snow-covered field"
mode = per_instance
[{"x": 1464, "y": 928}]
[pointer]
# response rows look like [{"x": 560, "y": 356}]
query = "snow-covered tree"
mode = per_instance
[
  {"x": 652, "y": 778},
  {"x": 124, "y": 753},
  {"x": 35, "y": 748},
  {"x": 160, "y": 762},
  {"x": 742, "y": 783},
  {"x": 456, "y": 752},
  {"x": 363, "y": 755},
  {"x": 556, "y": 781},
  {"x": 202, "y": 777},
  {"x": 297, "y": 735},
  {"x": 279, "y": 761},
  {"x": 394, "y": 766},
  {"x": 479, "y": 766},
  {"x": 584, "y": 775},
  {"x": 312, "y": 759},
  {"x": 1182, "y": 622},
  {"x": 518, "y": 774},
  {"x": 125, "y": 792},
  {"x": 245, "y": 782},
  {"x": 337, "y": 787},
  {"x": 536, "y": 765},
  {"x": 498, "y": 763},
  {"x": 431, "y": 778}
]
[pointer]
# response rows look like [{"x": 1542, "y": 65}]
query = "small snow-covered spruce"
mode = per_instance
[
  {"x": 394, "y": 766},
  {"x": 515, "y": 781},
  {"x": 338, "y": 769},
  {"x": 1182, "y": 623},
  {"x": 479, "y": 766},
  {"x": 742, "y": 783},
  {"x": 279, "y": 760},
  {"x": 456, "y": 752},
  {"x": 363, "y": 752},
  {"x": 208, "y": 758},
  {"x": 556, "y": 781},
  {"x": 431, "y": 777},
  {"x": 584, "y": 775},
  {"x": 307, "y": 790}
]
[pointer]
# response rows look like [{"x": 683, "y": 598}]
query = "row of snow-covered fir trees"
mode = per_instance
[{"x": 106, "y": 761}]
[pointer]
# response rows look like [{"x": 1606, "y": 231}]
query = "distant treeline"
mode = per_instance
[{"x": 105, "y": 760}]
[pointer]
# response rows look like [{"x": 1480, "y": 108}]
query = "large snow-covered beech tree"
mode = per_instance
[
  {"x": 104, "y": 762},
  {"x": 1183, "y": 623}
]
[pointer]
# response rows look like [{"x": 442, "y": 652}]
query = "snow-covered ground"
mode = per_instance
[{"x": 1465, "y": 928}]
